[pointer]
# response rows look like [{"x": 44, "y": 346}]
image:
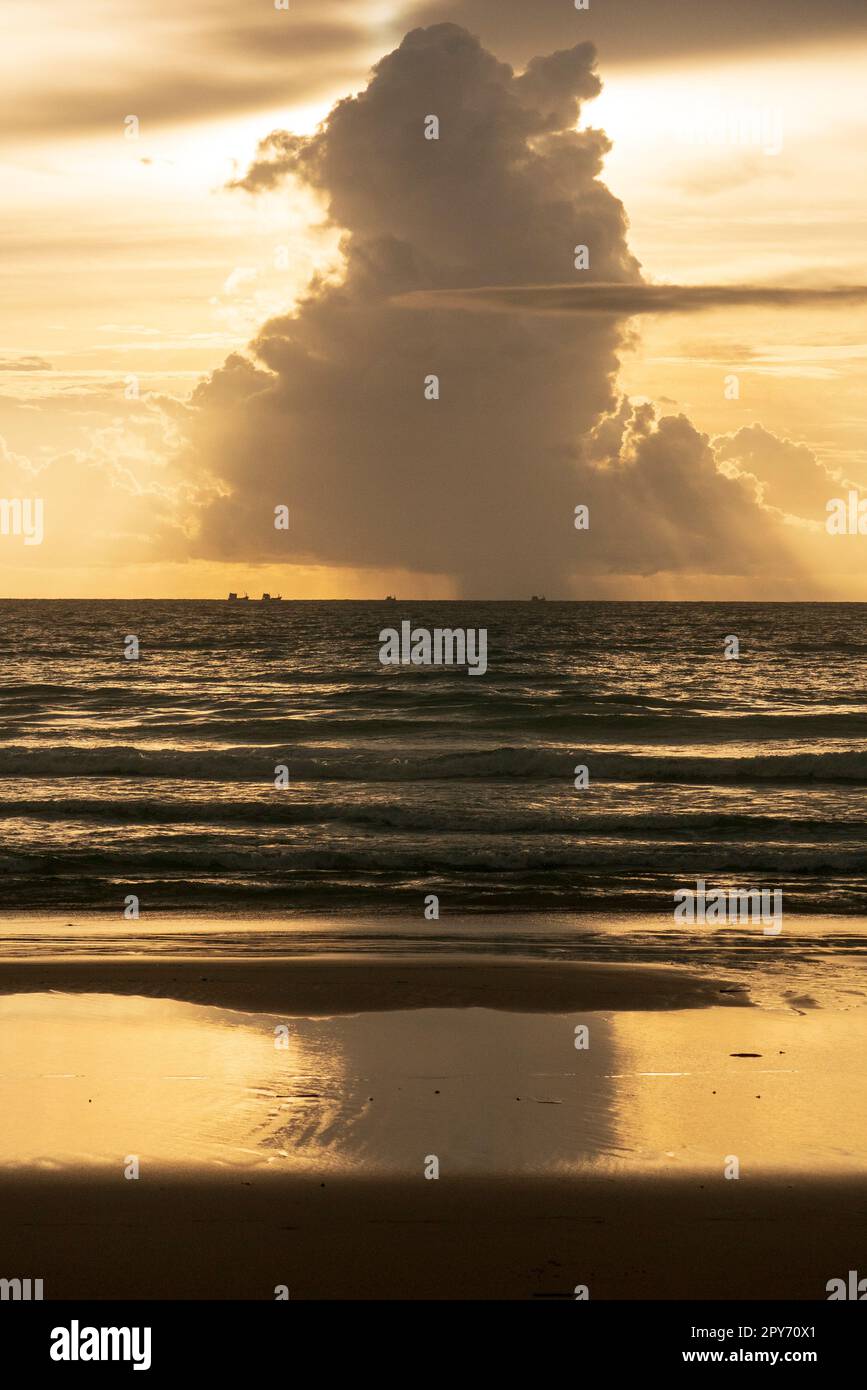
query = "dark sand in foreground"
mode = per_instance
[{"x": 465, "y": 1238}]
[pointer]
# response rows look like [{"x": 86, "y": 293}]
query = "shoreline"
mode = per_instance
[
  {"x": 80, "y": 918},
  {"x": 340, "y": 985}
]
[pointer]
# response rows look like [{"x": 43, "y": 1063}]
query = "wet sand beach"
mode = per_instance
[{"x": 642, "y": 1130}]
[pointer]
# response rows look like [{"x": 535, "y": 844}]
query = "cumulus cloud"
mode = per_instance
[
  {"x": 508, "y": 185},
  {"x": 478, "y": 484},
  {"x": 329, "y": 413},
  {"x": 660, "y": 502},
  {"x": 789, "y": 477}
]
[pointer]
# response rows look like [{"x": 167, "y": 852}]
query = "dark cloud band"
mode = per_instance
[{"x": 625, "y": 300}]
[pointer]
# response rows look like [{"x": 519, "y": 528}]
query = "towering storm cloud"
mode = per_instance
[
  {"x": 441, "y": 440},
  {"x": 480, "y": 483}
]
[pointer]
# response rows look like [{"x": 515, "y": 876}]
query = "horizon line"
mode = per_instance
[{"x": 406, "y": 601}]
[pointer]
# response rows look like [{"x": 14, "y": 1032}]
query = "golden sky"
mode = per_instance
[{"x": 131, "y": 265}]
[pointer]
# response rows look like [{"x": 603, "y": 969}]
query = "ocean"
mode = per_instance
[{"x": 156, "y": 776}]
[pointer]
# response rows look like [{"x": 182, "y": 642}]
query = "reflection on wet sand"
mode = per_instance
[{"x": 86, "y": 1080}]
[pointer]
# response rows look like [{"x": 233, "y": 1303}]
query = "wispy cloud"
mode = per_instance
[
  {"x": 24, "y": 364},
  {"x": 625, "y": 300}
]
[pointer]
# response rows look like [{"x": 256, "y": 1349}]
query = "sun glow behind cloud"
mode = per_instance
[
  {"x": 132, "y": 256},
  {"x": 741, "y": 170}
]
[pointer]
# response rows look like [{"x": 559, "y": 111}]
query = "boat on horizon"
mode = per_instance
[{"x": 245, "y": 598}]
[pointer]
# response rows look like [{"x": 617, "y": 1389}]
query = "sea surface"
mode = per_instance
[{"x": 156, "y": 777}]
